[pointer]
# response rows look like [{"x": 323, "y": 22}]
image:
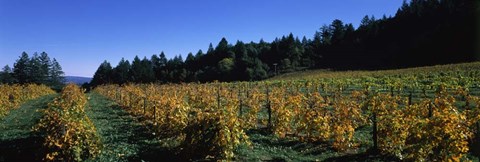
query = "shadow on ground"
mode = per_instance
[
  {"x": 125, "y": 137},
  {"x": 22, "y": 149},
  {"x": 267, "y": 147},
  {"x": 17, "y": 140}
]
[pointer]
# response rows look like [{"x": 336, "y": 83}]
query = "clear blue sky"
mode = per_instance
[{"x": 80, "y": 34}]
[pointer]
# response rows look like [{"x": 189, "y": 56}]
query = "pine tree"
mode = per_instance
[
  {"x": 6, "y": 76},
  {"x": 136, "y": 70},
  {"x": 34, "y": 70},
  {"x": 147, "y": 73},
  {"x": 20, "y": 69},
  {"x": 45, "y": 67},
  {"x": 56, "y": 74},
  {"x": 102, "y": 75},
  {"x": 162, "y": 71},
  {"x": 338, "y": 31},
  {"x": 121, "y": 72}
]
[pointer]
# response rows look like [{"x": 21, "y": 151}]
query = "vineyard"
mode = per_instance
[
  {"x": 430, "y": 115},
  {"x": 15, "y": 95},
  {"x": 69, "y": 133}
]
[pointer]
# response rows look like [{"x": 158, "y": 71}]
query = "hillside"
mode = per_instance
[
  {"x": 326, "y": 73},
  {"x": 77, "y": 80}
]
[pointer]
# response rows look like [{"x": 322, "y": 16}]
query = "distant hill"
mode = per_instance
[
  {"x": 326, "y": 73},
  {"x": 77, "y": 80}
]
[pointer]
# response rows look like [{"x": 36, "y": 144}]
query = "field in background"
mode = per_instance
[{"x": 323, "y": 73}]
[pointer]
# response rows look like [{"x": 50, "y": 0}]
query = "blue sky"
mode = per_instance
[{"x": 80, "y": 34}]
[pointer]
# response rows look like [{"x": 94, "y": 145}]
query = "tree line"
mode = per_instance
[
  {"x": 422, "y": 32},
  {"x": 38, "y": 69}
]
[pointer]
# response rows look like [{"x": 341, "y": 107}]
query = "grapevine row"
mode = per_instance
[
  {"x": 12, "y": 96},
  {"x": 207, "y": 123},
  {"x": 69, "y": 133},
  {"x": 216, "y": 115}
]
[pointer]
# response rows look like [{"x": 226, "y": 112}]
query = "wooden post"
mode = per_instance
[
  {"x": 240, "y": 100},
  {"x": 144, "y": 105},
  {"x": 424, "y": 91},
  {"x": 391, "y": 91},
  {"x": 119, "y": 92},
  {"x": 410, "y": 98},
  {"x": 430, "y": 110},
  {"x": 119, "y": 95},
  {"x": 307, "y": 92},
  {"x": 11, "y": 98},
  {"x": 154, "y": 111},
  {"x": 23, "y": 94},
  {"x": 478, "y": 132},
  {"x": 477, "y": 135},
  {"x": 467, "y": 102},
  {"x": 269, "y": 109},
  {"x": 375, "y": 133},
  {"x": 218, "y": 97},
  {"x": 130, "y": 99}
]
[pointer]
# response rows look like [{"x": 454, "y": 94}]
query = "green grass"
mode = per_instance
[
  {"x": 18, "y": 142},
  {"x": 123, "y": 136},
  {"x": 270, "y": 148},
  {"x": 267, "y": 147}
]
